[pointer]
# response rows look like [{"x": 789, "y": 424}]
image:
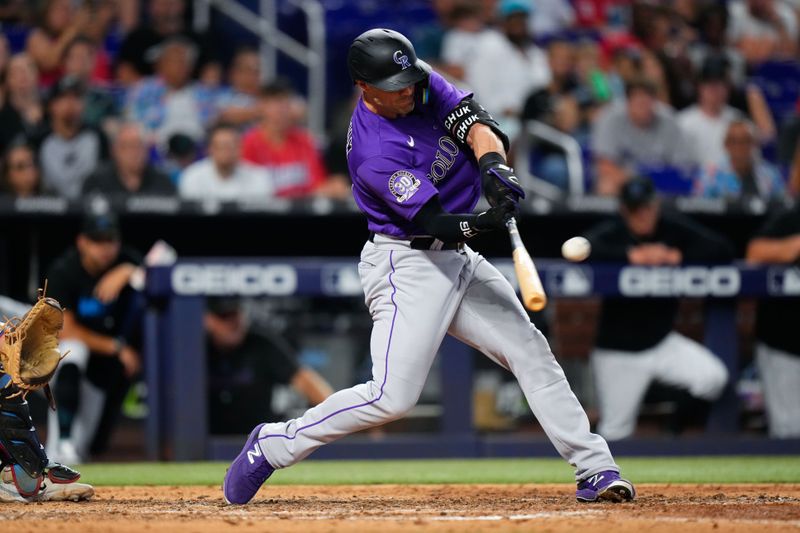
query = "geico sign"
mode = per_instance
[
  {"x": 688, "y": 281},
  {"x": 247, "y": 280}
]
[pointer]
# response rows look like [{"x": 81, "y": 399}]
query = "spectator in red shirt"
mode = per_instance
[
  {"x": 286, "y": 150},
  {"x": 60, "y": 22}
]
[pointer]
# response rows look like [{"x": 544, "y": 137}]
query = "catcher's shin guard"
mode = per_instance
[{"x": 19, "y": 443}]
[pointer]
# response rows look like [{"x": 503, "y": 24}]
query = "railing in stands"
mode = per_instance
[
  {"x": 264, "y": 25},
  {"x": 534, "y": 131}
]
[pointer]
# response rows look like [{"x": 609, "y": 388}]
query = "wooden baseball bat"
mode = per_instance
[{"x": 530, "y": 285}]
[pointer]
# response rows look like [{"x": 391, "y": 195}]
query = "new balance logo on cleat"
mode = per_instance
[
  {"x": 252, "y": 454},
  {"x": 595, "y": 479}
]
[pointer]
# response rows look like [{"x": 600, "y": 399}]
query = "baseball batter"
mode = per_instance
[{"x": 420, "y": 151}]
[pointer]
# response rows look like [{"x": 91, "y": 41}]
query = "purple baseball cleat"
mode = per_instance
[
  {"x": 605, "y": 485},
  {"x": 247, "y": 472}
]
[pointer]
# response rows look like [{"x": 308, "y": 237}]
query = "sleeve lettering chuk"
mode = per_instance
[{"x": 466, "y": 114}]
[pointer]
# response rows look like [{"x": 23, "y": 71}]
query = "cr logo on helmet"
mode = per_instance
[{"x": 401, "y": 59}]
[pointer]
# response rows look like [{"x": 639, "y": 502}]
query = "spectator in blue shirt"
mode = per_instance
[{"x": 741, "y": 172}]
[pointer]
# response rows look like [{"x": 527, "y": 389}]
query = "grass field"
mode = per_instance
[{"x": 773, "y": 469}]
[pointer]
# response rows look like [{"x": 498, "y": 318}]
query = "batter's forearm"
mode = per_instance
[
  {"x": 448, "y": 227},
  {"x": 482, "y": 140}
]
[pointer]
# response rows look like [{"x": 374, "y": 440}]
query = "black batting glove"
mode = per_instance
[
  {"x": 496, "y": 217},
  {"x": 499, "y": 181}
]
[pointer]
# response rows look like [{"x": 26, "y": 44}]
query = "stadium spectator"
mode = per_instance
[
  {"x": 635, "y": 343},
  {"x": 166, "y": 20},
  {"x": 244, "y": 366},
  {"x": 237, "y": 102},
  {"x": 430, "y": 32},
  {"x": 221, "y": 175},
  {"x": 59, "y": 23},
  {"x": 778, "y": 345},
  {"x": 508, "y": 66},
  {"x": 706, "y": 122},
  {"x": 463, "y": 39},
  {"x": 13, "y": 11},
  {"x": 70, "y": 151},
  {"x": 562, "y": 59},
  {"x": 170, "y": 102},
  {"x": 741, "y": 172},
  {"x": 624, "y": 66},
  {"x": 100, "y": 108},
  {"x": 20, "y": 173},
  {"x": 748, "y": 101},
  {"x": 602, "y": 14},
  {"x": 593, "y": 83},
  {"x": 564, "y": 114},
  {"x": 5, "y": 55},
  {"x": 128, "y": 172},
  {"x": 287, "y": 151},
  {"x": 794, "y": 173},
  {"x": 102, "y": 317},
  {"x": 763, "y": 29},
  {"x": 551, "y": 17},
  {"x": 22, "y": 112},
  {"x": 182, "y": 151},
  {"x": 713, "y": 42},
  {"x": 638, "y": 134},
  {"x": 665, "y": 36}
]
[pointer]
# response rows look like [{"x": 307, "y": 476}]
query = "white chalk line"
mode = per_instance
[{"x": 406, "y": 516}]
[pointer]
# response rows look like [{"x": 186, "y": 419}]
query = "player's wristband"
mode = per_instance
[{"x": 489, "y": 160}]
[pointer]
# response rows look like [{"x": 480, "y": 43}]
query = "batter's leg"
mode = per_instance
[
  {"x": 621, "y": 381},
  {"x": 412, "y": 296},
  {"x": 492, "y": 320}
]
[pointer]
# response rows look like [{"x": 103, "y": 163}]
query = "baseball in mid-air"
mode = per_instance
[{"x": 576, "y": 249}]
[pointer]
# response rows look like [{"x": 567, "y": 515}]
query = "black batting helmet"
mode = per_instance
[{"x": 385, "y": 59}]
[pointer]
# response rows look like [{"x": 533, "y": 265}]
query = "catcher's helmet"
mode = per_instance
[{"x": 385, "y": 59}]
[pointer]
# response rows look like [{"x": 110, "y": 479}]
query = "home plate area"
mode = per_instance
[{"x": 395, "y": 508}]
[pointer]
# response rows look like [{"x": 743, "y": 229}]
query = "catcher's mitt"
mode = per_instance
[{"x": 29, "y": 347}]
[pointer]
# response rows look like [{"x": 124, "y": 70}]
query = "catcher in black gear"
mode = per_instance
[{"x": 29, "y": 357}]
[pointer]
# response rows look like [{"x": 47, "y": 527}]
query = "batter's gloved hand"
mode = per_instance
[
  {"x": 29, "y": 347},
  {"x": 499, "y": 181},
  {"x": 496, "y": 217}
]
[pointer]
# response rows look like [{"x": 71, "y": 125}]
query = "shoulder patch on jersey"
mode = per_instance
[{"x": 403, "y": 185}]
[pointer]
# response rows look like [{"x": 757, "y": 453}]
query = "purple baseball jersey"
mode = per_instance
[{"x": 398, "y": 164}]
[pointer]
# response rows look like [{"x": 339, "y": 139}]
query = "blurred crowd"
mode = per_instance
[
  {"x": 694, "y": 94},
  {"x": 123, "y": 97}
]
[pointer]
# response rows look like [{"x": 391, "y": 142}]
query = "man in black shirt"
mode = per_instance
[
  {"x": 128, "y": 173},
  {"x": 635, "y": 343},
  {"x": 243, "y": 368},
  {"x": 101, "y": 322},
  {"x": 70, "y": 151},
  {"x": 166, "y": 18},
  {"x": 778, "y": 348}
]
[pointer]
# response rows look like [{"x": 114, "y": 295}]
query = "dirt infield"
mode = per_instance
[{"x": 419, "y": 508}]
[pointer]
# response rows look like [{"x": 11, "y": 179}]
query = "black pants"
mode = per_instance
[{"x": 107, "y": 374}]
